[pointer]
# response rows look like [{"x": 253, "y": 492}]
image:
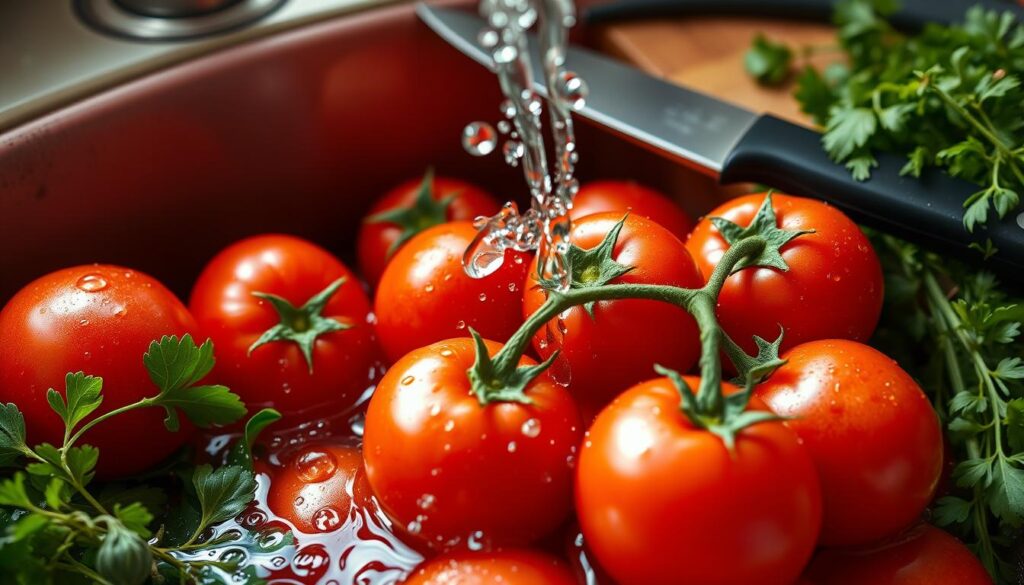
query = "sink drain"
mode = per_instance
[{"x": 172, "y": 20}]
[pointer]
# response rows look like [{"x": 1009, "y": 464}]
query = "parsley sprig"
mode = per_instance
[
  {"x": 56, "y": 530},
  {"x": 969, "y": 348},
  {"x": 949, "y": 97}
]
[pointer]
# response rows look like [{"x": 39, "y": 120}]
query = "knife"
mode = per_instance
[
  {"x": 910, "y": 15},
  {"x": 737, "y": 145}
]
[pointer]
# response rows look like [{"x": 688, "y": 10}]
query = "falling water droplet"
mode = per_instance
[
  {"x": 507, "y": 109},
  {"x": 479, "y": 138},
  {"x": 92, "y": 283},
  {"x": 573, "y": 89},
  {"x": 513, "y": 151},
  {"x": 488, "y": 38}
]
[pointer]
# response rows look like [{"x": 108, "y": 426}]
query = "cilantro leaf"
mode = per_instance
[
  {"x": 83, "y": 397},
  {"x": 848, "y": 129},
  {"x": 175, "y": 366},
  {"x": 768, "y": 62}
]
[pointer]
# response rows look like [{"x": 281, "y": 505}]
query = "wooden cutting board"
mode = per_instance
[{"x": 707, "y": 54}]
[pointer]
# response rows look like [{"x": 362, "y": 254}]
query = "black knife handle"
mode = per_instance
[
  {"x": 912, "y": 15},
  {"x": 928, "y": 211}
]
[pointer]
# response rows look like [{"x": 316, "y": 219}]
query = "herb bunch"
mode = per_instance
[
  {"x": 959, "y": 334},
  {"x": 56, "y": 529},
  {"x": 948, "y": 97}
]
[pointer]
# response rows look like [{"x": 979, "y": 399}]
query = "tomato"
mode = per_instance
[
  {"x": 319, "y": 486},
  {"x": 620, "y": 344},
  {"x": 383, "y": 230},
  {"x": 623, "y": 196},
  {"x": 923, "y": 556},
  {"x": 455, "y": 473},
  {"x": 874, "y": 437},
  {"x": 229, "y": 301},
  {"x": 662, "y": 501},
  {"x": 425, "y": 296},
  {"x": 833, "y": 288},
  {"x": 99, "y": 319},
  {"x": 507, "y": 567}
]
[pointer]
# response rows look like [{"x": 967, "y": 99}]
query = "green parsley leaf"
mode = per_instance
[
  {"x": 12, "y": 434},
  {"x": 12, "y": 492},
  {"x": 847, "y": 130},
  {"x": 222, "y": 493},
  {"x": 768, "y": 62},
  {"x": 241, "y": 453},
  {"x": 83, "y": 397},
  {"x": 135, "y": 517},
  {"x": 175, "y": 366}
]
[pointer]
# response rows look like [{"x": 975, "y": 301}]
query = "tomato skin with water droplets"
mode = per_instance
[
  {"x": 425, "y": 296},
  {"x": 874, "y": 437},
  {"x": 98, "y": 319},
  {"x": 377, "y": 238},
  {"x": 661, "y": 502},
  {"x": 832, "y": 290},
  {"x": 924, "y": 555},
  {"x": 276, "y": 374},
  {"x": 455, "y": 474},
  {"x": 506, "y": 567},
  {"x": 628, "y": 196},
  {"x": 318, "y": 486}
]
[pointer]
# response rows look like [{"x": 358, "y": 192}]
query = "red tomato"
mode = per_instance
[
  {"x": 507, "y": 567},
  {"x": 619, "y": 346},
  {"x": 923, "y": 556},
  {"x": 277, "y": 374},
  {"x": 661, "y": 501},
  {"x": 454, "y": 473},
  {"x": 99, "y": 319},
  {"x": 425, "y": 296},
  {"x": 833, "y": 288},
  {"x": 874, "y": 437},
  {"x": 623, "y": 196},
  {"x": 379, "y": 238},
  {"x": 319, "y": 486}
]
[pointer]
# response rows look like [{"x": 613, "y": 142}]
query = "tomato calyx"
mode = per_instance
[
  {"x": 594, "y": 267},
  {"x": 723, "y": 416},
  {"x": 492, "y": 383},
  {"x": 424, "y": 212},
  {"x": 755, "y": 368},
  {"x": 301, "y": 325},
  {"x": 766, "y": 225}
]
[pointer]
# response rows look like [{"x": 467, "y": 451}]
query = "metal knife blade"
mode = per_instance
[{"x": 683, "y": 123}]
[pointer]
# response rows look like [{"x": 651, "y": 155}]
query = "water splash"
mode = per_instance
[{"x": 545, "y": 226}]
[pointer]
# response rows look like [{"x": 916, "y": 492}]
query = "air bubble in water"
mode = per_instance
[{"x": 479, "y": 138}]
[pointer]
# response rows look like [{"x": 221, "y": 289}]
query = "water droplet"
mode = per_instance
[
  {"x": 488, "y": 38},
  {"x": 447, "y": 353},
  {"x": 504, "y": 55},
  {"x": 531, "y": 428},
  {"x": 479, "y": 138},
  {"x": 513, "y": 150},
  {"x": 435, "y": 410},
  {"x": 298, "y": 501},
  {"x": 573, "y": 89},
  {"x": 416, "y": 525},
  {"x": 315, "y": 466},
  {"x": 504, "y": 127},
  {"x": 408, "y": 380},
  {"x": 475, "y": 541},
  {"x": 508, "y": 109},
  {"x": 119, "y": 311},
  {"x": 429, "y": 288},
  {"x": 326, "y": 519},
  {"x": 511, "y": 446},
  {"x": 92, "y": 283},
  {"x": 83, "y": 322},
  {"x": 87, "y": 355},
  {"x": 483, "y": 297},
  {"x": 426, "y": 501},
  {"x": 460, "y": 325},
  {"x": 448, "y": 426},
  {"x": 512, "y": 287}
]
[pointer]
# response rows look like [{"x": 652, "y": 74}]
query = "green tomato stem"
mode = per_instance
[{"x": 698, "y": 302}]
